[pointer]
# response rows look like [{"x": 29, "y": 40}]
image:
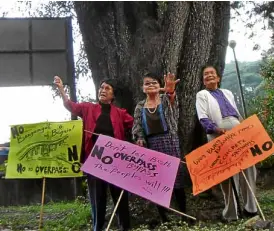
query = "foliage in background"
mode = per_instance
[
  {"x": 265, "y": 98},
  {"x": 258, "y": 89},
  {"x": 251, "y": 79},
  {"x": 264, "y": 103}
]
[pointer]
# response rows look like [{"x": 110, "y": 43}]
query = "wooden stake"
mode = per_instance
[
  {"x": 92, "y": 133},
  {"x": 253, "y": 194},
  {"x": 183, "y": 214},
  {"x": 42, "y": 204},
  {"x": 115, "y": 209}
]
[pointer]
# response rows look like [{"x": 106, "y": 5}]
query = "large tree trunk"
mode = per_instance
[{"x": 125, "y": 39}]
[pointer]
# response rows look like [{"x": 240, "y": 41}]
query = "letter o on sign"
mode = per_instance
[
  {"x": 107, "y": 160},
  {"x": 21, "y": 129},
  {"x": 267, "y": 145},
  {"x": 117, "y": 155},
  {"x": 75, "y": 167}
]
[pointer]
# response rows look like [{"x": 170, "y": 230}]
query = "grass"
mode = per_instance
[
  {"x": 75, "y": 216},
  {"x": 56, "y": 216}
]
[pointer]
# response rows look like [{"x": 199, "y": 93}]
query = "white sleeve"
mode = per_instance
[{"x": 201, "y": 106}]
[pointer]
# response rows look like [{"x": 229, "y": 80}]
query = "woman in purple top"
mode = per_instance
[{"x": 217, "y": 112}]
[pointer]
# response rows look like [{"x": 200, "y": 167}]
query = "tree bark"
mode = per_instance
[{"x": 125, "y": 39}]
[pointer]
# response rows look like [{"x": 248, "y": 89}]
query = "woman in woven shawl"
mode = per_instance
[{"x": 156, "y": 126}]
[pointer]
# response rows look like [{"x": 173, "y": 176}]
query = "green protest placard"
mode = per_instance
[{"x": 49, "y": 149}]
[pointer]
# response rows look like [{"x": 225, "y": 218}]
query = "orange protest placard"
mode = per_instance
[{"x": 240, "y": 148}]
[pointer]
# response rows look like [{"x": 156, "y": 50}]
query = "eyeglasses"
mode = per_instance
[
  {"x": 106, "y": 88},
  {"x": 150, "y": 83}
]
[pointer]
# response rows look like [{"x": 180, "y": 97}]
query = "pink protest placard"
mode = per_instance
[{"x": 144, "y": 172}]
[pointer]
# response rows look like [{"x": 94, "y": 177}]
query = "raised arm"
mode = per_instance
[
  {"x": 170, "y": 85},
  {"x": 75, "y": 108}
]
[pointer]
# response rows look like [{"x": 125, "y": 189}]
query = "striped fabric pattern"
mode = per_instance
[{"x": 168, "y": 144}]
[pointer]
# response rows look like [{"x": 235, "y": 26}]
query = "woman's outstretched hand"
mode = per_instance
[{"x": 170, "y": 83}]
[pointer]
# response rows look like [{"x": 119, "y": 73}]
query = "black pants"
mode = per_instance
[
  {"x": 98, "y": 199},
  {"x": 180, "y": 198}
]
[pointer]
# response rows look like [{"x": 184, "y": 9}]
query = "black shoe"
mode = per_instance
[{"x": 247, "y": 214}]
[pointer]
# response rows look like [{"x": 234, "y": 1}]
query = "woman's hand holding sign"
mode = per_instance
[{"x": 220, "y": 131}]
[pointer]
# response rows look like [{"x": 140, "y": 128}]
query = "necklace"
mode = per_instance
[
  {"x": 152, "y": 112},
  {"x": 156, "y": 106}
]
